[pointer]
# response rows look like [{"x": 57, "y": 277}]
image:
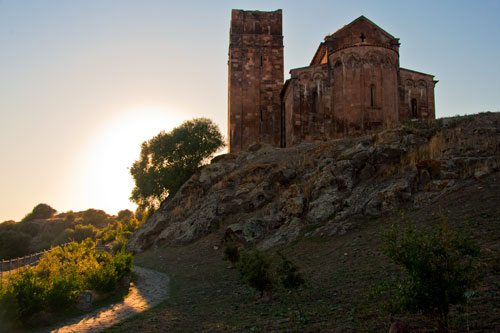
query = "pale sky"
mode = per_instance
[{"x": 83, "y": 83}]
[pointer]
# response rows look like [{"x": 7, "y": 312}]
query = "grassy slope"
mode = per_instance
[{"x": 207, "y": 296}]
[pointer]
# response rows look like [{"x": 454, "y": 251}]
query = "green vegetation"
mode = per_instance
[
  {"x": 438, "y": 266},
  {"x": 339, "y": 270},
  {"x": 40, "y": 211},
  {"x": 291, "y": 279},
  {"x": 55, "y": 282},
  {"x": 254, "y": 268},
  {"x": 169, "y": 159},
  {"x": 231, "y": 252},
  {"x": 35, "y": 234}
]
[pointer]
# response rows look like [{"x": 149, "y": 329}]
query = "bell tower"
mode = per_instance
[{"x": 255, "y": 74}]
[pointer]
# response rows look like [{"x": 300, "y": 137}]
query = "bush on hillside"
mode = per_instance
[
  {"x": 29, "y": 228},
  {"x": 95, "y": 217},
  {"x": 231, "y": 252},
  {"x": 29, "y": 292},
  {"x": 291, "y": 279},
  {"x": 13, "y": 244},
  {"x": 438, "y": 266},
  {"x": 60, "y": 275},
  {"x": 77, "y": 234},
  {"x": 254, "y": 268},
  {"x": 40, "y": 211},
  {"x": 9, "y": 309},
  {"x": 63, "y": 290}
]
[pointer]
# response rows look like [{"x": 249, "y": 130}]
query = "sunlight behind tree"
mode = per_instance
[{"x": 102, "y": 178}]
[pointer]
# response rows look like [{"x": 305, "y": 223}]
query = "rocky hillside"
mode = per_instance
[{"x": 268, "y": 196}]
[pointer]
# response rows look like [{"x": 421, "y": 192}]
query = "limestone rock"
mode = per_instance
[{"x": 268, "y": 196}]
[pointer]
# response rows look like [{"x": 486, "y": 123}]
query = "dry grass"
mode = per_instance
[
  {"x": 321, "y": 149},
  {"x": 254, "y": 174},
  {"x": 307, "y": 190}
]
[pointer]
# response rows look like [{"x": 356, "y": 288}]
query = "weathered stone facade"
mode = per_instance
[
  {"x": 255, "y": 78},
  {"x": 352, "y": 86}
]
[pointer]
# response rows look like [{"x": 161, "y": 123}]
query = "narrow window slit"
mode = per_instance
[{"x": 372, "y": 95}]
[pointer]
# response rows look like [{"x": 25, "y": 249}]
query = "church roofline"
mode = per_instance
[
  {"x": 362, "y": 17},
  {"x": 411, "y": 70},
  {"x": 283, "y": 89},
  {"x": 261, "y": 11},
  {"x": 320, "y": 52},
  {"x": 304, "y": 67}
]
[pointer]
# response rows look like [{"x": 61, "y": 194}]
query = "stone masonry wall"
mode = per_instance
[
  {"x": 416, "y": 95},
  {"x": 255, "y": 78}
]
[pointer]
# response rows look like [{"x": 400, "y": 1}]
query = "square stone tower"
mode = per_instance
[{"x": 255, "y": 70}]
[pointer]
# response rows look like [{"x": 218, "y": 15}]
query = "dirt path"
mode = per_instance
[{"x": 152, "y": 287}]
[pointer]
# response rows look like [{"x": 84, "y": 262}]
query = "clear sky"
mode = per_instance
[{"x": 83, "y": 83}]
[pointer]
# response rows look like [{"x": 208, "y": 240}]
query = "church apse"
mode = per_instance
[{"x": 353, "y": 85}]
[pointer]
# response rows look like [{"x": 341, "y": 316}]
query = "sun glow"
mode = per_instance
[{"x": 103, "y": 178}]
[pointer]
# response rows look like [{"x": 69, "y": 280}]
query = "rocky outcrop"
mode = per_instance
[{"x": 269, "y": 197}]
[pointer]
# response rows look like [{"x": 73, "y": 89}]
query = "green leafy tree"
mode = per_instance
[
  {"x": 40, "y": 211},
  {"x": 169, "y": 159},
  {"x": 439, "y": 269}
]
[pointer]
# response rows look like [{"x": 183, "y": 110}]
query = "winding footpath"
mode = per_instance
[{"x": 152, "y": 287}]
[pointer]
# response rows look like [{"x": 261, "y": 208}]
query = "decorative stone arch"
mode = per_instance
[
  {"x": 318, "y": 76},
  {"x": 304, "y": 77},
  {"x": 373, "y": 58},
  {"x": 422, "y": 89},
  {"x": 410, "y": 83},
  {"x": 422, "y": 83},
  {"x": 387, "y": 61},
  {"x": 336, "y": 63},
  {"x": 353, "y": 60}
]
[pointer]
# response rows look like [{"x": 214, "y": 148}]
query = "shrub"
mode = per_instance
[
  {"x": 125, "y": 215},
  {"x": 29, "y": 228},
  {"x": 58, "y": 278},
  {"x": 123, "y": 264},
  {"x": 40, "y": 211},
  {"x": 95, "y": 217},
  {"x": 102, "y": 279},
  {"x": 291, "y": 279},
  {"x": 9, "y": 310},
  {"x": 63, "y": 291},
  {"x": 231, "y": 252},
  {"x": 254, "y": 268},
  {"x": 438, "y": 266},
  {"x": 121, "y": 241},
  {"x": 13, "y": 244},
  {"x": 78, "y": 234},
  {"x": 289, "y": 274},
  {"x": 29, "y": 291},
  {"x": 69, "y": 217}
]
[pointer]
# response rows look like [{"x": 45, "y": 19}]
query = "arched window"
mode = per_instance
[
  {"x": 373, "y": 101},
  {"x": 414, "y": 112}
]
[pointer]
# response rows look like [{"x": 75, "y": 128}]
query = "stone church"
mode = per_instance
[{"x": 352, "y": 86}]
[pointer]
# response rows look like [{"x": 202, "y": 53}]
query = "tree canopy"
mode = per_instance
[
  {"x": 169, "y": 159},
  {"x": 40, "y": 211}
]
